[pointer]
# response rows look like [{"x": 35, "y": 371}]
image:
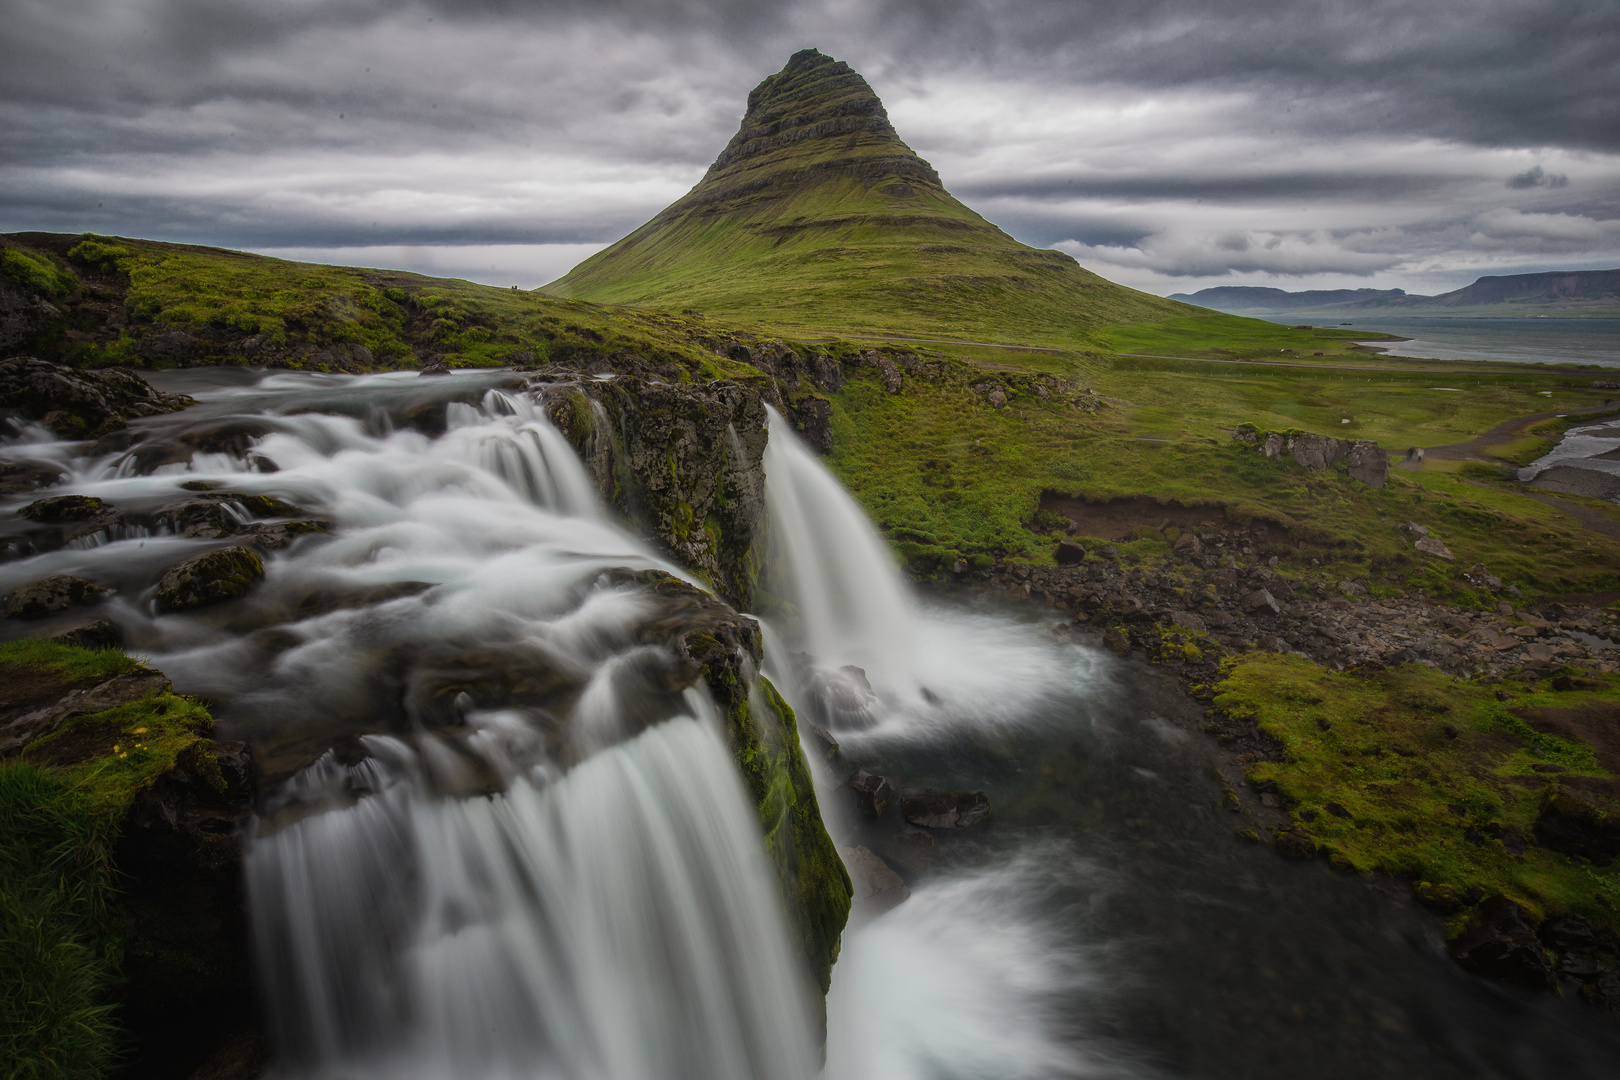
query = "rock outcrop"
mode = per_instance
[
  {"x": 78, "y": 404},
  {"x": 1364, "y": 459}
]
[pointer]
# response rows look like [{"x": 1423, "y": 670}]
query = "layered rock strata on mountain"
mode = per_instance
[{"x": 817, "y": 196}]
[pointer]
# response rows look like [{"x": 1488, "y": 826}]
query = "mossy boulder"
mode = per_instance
[
  {"x": 59, "y": 592},
  {"x": 209, "y": 579}
]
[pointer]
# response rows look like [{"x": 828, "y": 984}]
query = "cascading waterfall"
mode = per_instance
[
  {"x": 574, "y": 885},
  {"x": 830, "y": 563}
]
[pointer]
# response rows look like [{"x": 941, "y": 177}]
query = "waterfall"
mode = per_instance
[
  {"x": 621, "y": 921},
  {"x": 849, "y": 604},
  {"x": 525, "y": 854}
]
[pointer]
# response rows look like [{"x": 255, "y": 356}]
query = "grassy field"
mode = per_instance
[{"x": 1411, "y": 773}]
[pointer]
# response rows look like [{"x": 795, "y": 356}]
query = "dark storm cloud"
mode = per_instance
[{"x": 1145, "y": 131}]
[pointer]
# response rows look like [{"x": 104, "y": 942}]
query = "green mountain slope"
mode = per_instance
[{"x": 817, "y": 217}]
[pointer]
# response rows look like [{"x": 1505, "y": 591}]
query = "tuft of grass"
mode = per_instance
[
  {"x": 1423, "y": 773},
  {"x": 62, "y": 804},
  {"x": 56, "y": 963}
]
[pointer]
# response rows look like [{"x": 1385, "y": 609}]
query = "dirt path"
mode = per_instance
[{"x": 1505, "y": 432}]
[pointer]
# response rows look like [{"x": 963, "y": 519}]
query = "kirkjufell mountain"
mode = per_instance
[{"x": 818, "y": 215}]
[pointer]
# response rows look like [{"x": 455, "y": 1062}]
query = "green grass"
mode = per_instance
[
  {"x": 1416, "y": 759},
  {"x": 948, "y": 477},
  {"x": 61, "y": 806},
  {"x": 56, "y": 964},
  {"x": 223, "y": 297}
]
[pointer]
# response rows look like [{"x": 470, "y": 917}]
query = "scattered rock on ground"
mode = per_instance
[{"x": 79, "y": 404}]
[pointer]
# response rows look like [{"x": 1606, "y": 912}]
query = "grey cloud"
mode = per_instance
[
  {"x": 1535, "y": 177},
  {"x": 127, "y": 115}
]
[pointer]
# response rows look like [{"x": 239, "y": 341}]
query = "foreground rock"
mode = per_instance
[
  {"x": 165, "y": 814},
  {"x": 60, "y": 592},
  {"x": 78, "y": 404}
]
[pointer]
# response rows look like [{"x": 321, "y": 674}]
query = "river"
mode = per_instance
[{"x": 579, "y": 889}]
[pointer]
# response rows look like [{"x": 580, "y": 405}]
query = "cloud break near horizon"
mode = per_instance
[{"x": 1168, "y": 144}]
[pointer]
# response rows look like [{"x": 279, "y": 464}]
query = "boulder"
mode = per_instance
[
  {"x": 1296, "y": 844},
  {"x": 1069, "y": 553},
  {"x": 1188, "y": 544},
  {"x": 79, "y": 404},
  {"x": 1187, "y": 621},
  {"x": 1431, "y": 545},
  {"x": 1313, "y": 452},
  {"x": 51, "y": 595},
  {"x": 872, "y": 793},
  {"x": 1499, "y": 942},
  {"x": 1260, "y": 601},
  {"x": 936, "y": 809},
  {"x": 877, "y": 887},
  {"x": 1580, "y": 823},
  {"x": 101, "y": 634},
  {"x": 912, "y": 851},
  {"x": 61, "y": 509},
  {"x": 209, "y": 579},
  {"x": 1368, "y": 463}
]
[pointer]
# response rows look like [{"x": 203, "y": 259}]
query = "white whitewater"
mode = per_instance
[
  {"x": 851, "y": 606},
  {"x": 496, "y": 893},
  {"x": 621, "y": 921}
]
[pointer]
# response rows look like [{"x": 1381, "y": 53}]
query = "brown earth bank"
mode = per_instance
[{"x": 1116, "y": 519}]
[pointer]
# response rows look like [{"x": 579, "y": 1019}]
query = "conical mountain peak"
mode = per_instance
[
  {"x": 818, "y": 100},
  {"x": 816, "y": 215}
]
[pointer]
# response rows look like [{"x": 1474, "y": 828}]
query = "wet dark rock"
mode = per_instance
[
  {"x": 209, "y": 579},
  {"x": 683, "y": 461},
  {"x": 1499, "y": 942},
  {"x": 936, "y": 809},
  {"x": 21, "y": 477},
  {"x": 48, "y": 596},
  {"x": 812, "y": 419},
  {"x": 79, "y": 404},
  {"x": 872, "y": 793},
  {"x": 1296, "y": 844},
  {"x": 1069, "y": 553},
  {"x": 101, "y": 634},
  {"x": 58, "y": 509},
  {"x": 1115, "y": 641},
  {"x": 1440, "y": 899},
  {"x": 1581, "y": 823}
]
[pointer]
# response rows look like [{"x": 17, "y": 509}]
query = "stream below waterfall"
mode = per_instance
[{"x": 573, "y": 884}]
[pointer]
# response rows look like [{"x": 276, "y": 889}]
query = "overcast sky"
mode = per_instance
[{"x": 1167, "y": 144}]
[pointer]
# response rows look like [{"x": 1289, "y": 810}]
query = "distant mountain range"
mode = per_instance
[{"x": 1558, "y": 292}]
